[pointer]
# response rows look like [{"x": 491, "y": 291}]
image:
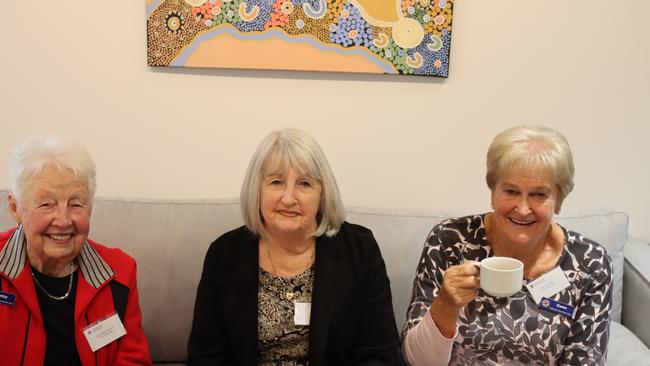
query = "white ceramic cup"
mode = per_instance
[{"x": 501, "y": 276}]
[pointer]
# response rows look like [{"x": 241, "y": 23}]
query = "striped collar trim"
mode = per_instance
[
  {"x": 13, "y": 258},
  {"x": 94, "y": 269}
]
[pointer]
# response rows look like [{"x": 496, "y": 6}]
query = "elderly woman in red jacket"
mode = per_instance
[{"x": 64, "y": 300}]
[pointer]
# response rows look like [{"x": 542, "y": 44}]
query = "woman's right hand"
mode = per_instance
[{"x": 460, "y": 286}]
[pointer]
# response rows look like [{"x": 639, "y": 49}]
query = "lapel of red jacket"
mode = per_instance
[
  {"x": 95, "y": 274},
  {"x": 15, "y": 269}
]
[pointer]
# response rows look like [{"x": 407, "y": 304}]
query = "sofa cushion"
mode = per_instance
[
  {"x": 169, "y": 241},
  {"x": 625, "y": 348},
  {"x": 636, "y": 286},
  {"x": 401, "y": 238}
]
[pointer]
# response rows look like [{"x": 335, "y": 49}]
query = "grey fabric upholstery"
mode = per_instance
[
  {"x": 625, "y": 348},
  {"x": 636, "y": 281},
  {"x": 169, "y": 240}
]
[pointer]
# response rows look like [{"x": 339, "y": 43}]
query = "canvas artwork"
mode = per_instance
[{"x": 372, "y": 36}]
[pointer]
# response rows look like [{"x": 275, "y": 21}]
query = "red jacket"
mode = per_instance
[{"x": 22, "y": 334}]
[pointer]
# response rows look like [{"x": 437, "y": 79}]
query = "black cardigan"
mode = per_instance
[{"x": 352, "y": 320}]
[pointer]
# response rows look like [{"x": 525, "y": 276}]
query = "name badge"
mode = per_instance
[
  {"x": 7, "y": 298},
  {"x": 556, "y": 307},
  {"x": 301, "y": 313},
  {"x": 548, "y": 284},
  {"x": 104, "y": 331}
]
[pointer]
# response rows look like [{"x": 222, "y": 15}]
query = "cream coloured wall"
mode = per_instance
[{"x": 583, "y": 67}]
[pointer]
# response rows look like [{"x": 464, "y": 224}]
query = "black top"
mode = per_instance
[
  {"x": 58, "y": 319},
  {"x": 352, "y": 320}
]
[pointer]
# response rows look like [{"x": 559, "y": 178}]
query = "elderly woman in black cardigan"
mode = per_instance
[{"x": 297, "y": 284}]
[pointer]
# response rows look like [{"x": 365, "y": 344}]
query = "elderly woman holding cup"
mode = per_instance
[
  {"x": 64, "y": 299},
  {"x": 469, "y": 303}
]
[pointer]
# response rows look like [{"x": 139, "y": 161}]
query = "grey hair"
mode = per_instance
[
  {"x": 279, "y": 151},
  {"x": 535, "y": 147},
  {"x": 31, "y": 156}
]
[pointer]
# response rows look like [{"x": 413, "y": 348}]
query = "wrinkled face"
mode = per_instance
[
  {"x": 524, "y": 203},
  {"x": 289, "y": 203},
  {"x": 54, "y": 210}
]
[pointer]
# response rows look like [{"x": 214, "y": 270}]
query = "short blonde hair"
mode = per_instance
[
  {"x": 279, "y": 151},
  {"x": 529, "y": 147},
  {"x": 31, "y": 156}
]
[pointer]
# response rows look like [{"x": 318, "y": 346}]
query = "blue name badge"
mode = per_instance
[
  {"x": 556, "y": 307},
  {"x": 7, "y": 298}
]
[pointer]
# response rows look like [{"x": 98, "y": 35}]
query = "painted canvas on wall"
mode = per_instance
[{"x": 372, "y": 36}]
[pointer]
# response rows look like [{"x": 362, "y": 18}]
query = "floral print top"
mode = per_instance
[
  {"x": 515, "y": 330},
  {"x": 280, "y": 341}
]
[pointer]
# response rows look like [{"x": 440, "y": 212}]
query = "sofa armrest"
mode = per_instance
[{"x": 636, "y": 289}]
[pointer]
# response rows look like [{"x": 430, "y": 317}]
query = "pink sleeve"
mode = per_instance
[{"x": 425, "y": 345}]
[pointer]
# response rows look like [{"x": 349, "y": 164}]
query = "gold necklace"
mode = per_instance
[
  {"x": 57, "y": 298},
  {"x": 289, "y": 293}
]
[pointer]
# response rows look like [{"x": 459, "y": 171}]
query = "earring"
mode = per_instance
[{"x": 492, "y": 205}]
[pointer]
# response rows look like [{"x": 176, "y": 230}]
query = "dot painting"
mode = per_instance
[{"x": 410, "y": 37}]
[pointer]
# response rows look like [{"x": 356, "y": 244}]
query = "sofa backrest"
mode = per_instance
[{"x": 169, "y": 240}]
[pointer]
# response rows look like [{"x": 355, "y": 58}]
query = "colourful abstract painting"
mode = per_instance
[{"x": 371, "y": 36}]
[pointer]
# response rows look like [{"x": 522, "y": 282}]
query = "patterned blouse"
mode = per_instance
[
  {"x": 280, "y": 341},
  {"x": 516, "y": 330}
]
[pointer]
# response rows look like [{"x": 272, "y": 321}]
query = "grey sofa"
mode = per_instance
[{"x": 169, "y": 240}]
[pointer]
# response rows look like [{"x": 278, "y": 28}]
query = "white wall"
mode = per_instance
[{"x": 583, "y": 67}]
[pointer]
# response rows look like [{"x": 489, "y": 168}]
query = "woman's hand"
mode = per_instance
[{"x": 459, "y": 287}]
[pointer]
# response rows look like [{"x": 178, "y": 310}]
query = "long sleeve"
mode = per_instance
[
  {"x": 502, "y": 330},
  {"x": 207, "y": 342},
  {"x": 377, "y": 340},
  {"x": 425, "y": 345},
  {"x": 427, "y": 283}
]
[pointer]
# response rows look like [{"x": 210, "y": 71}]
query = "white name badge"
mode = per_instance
[
  {"x": 548, "y": 284},
  {"x": 104, "y": 331},
  {"x": 301, "y": 312}
]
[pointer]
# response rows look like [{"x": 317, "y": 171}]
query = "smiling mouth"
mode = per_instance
[
  {"x": 60, "y": 237},
  {"x": 288, "y": 213},
  {"x": 521, "y": 222}
]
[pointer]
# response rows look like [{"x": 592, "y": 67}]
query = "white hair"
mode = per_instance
[
  {"x": 31, "y": 156},
  {"x": 279, "y": 151}
]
